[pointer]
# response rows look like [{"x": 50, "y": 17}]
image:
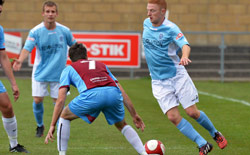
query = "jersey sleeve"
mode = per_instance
[
  {"x": 178, "y": 37},
  {"x": 111, "y": 75},
  {"x": 70, "y": 39},
  {"x": 30, "y": 42},
  {"x": 65, "y": 79},
  {"x": 2, "y": 41}
]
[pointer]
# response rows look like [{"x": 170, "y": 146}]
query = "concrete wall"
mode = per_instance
[{"x": 128, "y": 15}]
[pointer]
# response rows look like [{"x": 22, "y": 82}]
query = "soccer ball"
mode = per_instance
[{"x": 154, "y": 147}]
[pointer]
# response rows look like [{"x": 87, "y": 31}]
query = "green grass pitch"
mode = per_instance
[{"x": 230, "y": 117}]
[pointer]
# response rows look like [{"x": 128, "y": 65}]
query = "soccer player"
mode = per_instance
[
  {"x": 8, "y": 116},
  {"x": 99, "y": 91},
  {"x": 50, "y": 39},
  {"x": 171, "y": 84}
]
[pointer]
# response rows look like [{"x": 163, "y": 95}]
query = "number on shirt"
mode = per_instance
[{"x": 91, "y": 64}]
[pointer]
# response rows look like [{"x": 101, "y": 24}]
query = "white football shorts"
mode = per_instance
[
  {"x": 40, "y": 89},
  {"x": 173, "y": 91}
]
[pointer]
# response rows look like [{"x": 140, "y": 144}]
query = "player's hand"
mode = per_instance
[
  {"x": 15, "y": 91},
  {"x": 138, "y": 122},
  {"x": 50, "y": 135},
  {"x": 184, "y": 61},
  {"x": 17, "y": 65}
]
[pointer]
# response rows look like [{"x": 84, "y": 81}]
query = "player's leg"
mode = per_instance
[
  {"x": 9, "y": 122},
  {"x": 185, "y": 127},
  {"x": 39, "y": 90},
  {"x": 201, "y": 118},
  {"x": 165, "y": 92},
  {"x": 114, "y": 113},
  {"x": 54, "y": 88},
  {"x": 131, "y": 136},
  {"x": 188, "y": 96},
  {"x": 204, "y": 121},
  {"x": 63, "y": 131},
  {"x": 38, "y": 111}
]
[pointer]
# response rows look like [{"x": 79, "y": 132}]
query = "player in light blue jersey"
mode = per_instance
[
  {"x": 99, "y": 91},
  {"x": 51, "y": 40},
  {"x": 171, "y": 84},
  {"x": 8, "y": 116}
]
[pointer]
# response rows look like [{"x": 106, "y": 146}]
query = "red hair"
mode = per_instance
[{"x": 161, "y": 3}]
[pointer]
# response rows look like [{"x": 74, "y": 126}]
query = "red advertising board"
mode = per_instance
[
  {"x": 13, "y": 44},
  {"x": 114, "y": 49}
]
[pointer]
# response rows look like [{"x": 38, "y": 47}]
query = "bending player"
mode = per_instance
[{"x": 99, "y": 92}]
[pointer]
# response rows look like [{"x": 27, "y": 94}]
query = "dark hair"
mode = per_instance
[
  {"x": 50, "y": 4},
  {"x": 1, "y": 2},
  {"x": 77, "y": 51}
]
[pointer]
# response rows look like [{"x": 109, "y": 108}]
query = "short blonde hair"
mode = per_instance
[{"x": 161, "y": 3}]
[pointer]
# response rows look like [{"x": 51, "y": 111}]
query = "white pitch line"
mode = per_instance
[{"x": 225, "y": 98}]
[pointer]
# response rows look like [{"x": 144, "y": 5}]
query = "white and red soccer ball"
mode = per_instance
[{"x": 154, "y": 147}]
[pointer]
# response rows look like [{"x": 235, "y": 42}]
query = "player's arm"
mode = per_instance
[
  {"x": 18, "y": 62},
  {"x": 6, "y": 65},
  {"x": 129, "y": 105},
  {"x": 185, "y": 55},
  {"x": 181, "y": 41},
  {"x": 62, "y": 94}
]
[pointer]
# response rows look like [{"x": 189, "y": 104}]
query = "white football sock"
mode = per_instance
[
  {"x": 63, "y": 133},
  {"x": 10, "y": 126},
  {"x": 133, "y": 138},
  {"x": 144, "y": 153},
  {"x": 62, "y": 152}
]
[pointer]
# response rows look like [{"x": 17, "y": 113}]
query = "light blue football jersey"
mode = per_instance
[
  {"x": 2, "y": 41},
  {"x": 161, "y": 46},
  {"x": 51, "y": 51}
]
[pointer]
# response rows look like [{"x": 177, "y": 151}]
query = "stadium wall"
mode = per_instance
[{"x": 128, "y": 15}]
